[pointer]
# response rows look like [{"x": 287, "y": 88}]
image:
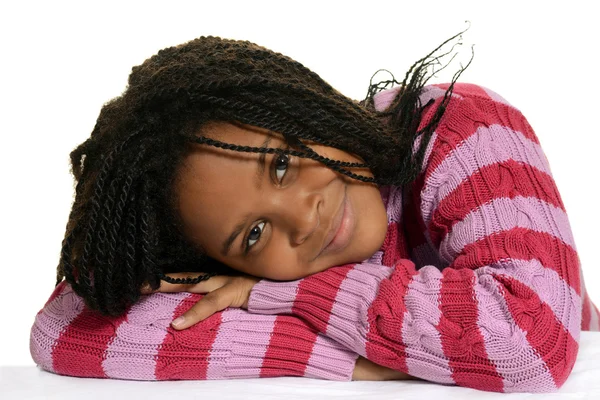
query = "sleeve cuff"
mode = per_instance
[{"x": 293, "y": 351}]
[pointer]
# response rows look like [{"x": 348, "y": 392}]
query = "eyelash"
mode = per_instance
[{"x": 248, "y": 246}]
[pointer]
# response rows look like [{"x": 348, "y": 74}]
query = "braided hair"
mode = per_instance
[{"x": 124, "y": 230}]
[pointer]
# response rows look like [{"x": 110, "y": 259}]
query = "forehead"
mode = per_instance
[
  {"x": 211, "y": 164},
  {"x": 236, "y": 133}
]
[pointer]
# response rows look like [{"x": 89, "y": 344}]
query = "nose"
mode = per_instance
[{"x": 303, "y": 213}]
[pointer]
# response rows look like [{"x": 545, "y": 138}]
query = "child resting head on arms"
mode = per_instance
[{"x": 226, "y": 158}]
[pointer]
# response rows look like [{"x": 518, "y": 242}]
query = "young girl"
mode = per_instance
[{"x": 418, "y": 233}]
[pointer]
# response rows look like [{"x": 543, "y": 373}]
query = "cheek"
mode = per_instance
[
  {"x": 284, "y": 269},
  {"x": 371, "y": 224}
]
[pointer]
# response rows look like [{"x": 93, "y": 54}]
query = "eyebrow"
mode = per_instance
[{"x": 260, "y": 171}]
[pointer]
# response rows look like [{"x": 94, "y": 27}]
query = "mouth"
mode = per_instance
[{"x": 341, "y": 229}]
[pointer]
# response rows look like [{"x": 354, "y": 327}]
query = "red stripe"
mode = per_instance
[
  {"x": 184, "y": 354},
  {"x": 80, "y": 349},
  {"x": 461, "y": 339},
  {"x": 507, "y": 113},
  {"x": 411, "y": 215},
  {"x": 465, "y": 89},
  {"x": 325, "y": 287},
  {"x": 289, "y": 349},
  {"x": 440, "y": 148},
  {"x": 586, "y": 313},
  {"x": 462, "y": 119},
  {"x": 525, "y": 244},
  {"x": 394, "y": 244},
  {"x": 506, "y": 179},
  {"x": 386, "y": 316},
  {"x": 544, "y": 332}
]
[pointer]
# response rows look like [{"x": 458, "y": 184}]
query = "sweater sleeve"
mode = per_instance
[
  {"x": 68, "y": 338},
  {"x": 500, "y": 309}
]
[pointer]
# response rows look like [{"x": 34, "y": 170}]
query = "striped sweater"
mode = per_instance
[{"x": 478, "y": 283}]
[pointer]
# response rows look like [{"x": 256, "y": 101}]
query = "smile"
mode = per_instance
[{"x": 342, "y": 229}]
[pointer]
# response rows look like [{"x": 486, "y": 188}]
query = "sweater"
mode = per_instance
[{"x": 477, "y": 283}]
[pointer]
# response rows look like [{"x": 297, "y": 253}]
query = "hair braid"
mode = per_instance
[
  {"x": 124, "y": 229},
  {"x": 333, "y": 164}
]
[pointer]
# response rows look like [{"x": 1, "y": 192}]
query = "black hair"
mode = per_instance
[{"x": 124, "y": 230}]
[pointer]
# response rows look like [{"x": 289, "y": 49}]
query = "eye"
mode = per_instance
[
  {"x": 280, "y": 164},
  {"x": 254, "y": 235}
]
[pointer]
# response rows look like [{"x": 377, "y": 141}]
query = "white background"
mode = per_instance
[{"x": 59, "y": 62}]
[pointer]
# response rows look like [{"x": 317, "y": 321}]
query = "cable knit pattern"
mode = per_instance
[
  {"x": 477, "y": 283},
  {"x": 488, "y": 293}
]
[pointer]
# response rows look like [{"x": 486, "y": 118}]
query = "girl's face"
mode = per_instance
[{"x": 276, "y": 217}]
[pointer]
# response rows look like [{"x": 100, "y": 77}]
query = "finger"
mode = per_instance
[
  {"x": 205, "y": 286},
  {"x": 207, "y": 306}
]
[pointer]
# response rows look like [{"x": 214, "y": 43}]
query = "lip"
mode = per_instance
[{"x": 341, "y": 231}]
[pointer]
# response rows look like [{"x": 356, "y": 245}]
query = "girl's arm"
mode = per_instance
[
  {"x": 69, "y": 339},
  {"x": 501, "y": 309}
]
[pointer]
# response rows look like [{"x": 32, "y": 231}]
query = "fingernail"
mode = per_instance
[{"x": 179, "y": 321}]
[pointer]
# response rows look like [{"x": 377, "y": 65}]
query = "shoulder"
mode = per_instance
[
  {"x": 472, "y": 94},
  {"x": 469, "y": 106},
  {"x": 477, "y": 124},
  {"x": 462, "y": 91},
  {"x": 471, "y": 111}
]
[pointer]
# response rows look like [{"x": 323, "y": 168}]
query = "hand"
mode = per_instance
[
  {"x": 366, "y": 370},
  {"x": 223, "y": 291}
]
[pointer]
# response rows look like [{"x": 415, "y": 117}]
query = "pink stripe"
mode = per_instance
[
  {"x": 506, "y": 344},
  {"x": 562, "y": 299},
  {"x": 154, "y": 313},
  {"x": 394, "y": 205},
  {"x": 382, "y": 100},
  {"x": 321, "y": 359},
  {"x": 58, "y": 289},
  {"x": 51, "y": 322},
  {"x": 504, "y": 214},
  {"x": 375, "y": 258},
  {"x": 270, "y": 305},
  {"x": 428, "y": 150},
  {"x": 348, "y": 323},
  {"x": 384, "y": 191},
  {"x": 485, "y": 147},
  {"x": 496, "y": 97},
  {"x": 425, "y": 356},
  {"x": 548, "y": 338},
  {"x": 240, "y": 356}
]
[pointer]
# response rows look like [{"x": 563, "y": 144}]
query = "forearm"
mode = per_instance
[
  {"x": 69, "y": 339},
  {"x": 438, "y": 326}
]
